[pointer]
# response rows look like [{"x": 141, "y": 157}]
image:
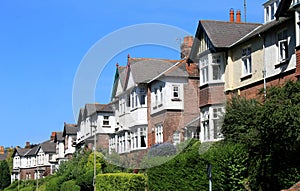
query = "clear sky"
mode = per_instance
[{"x": 42, "y": 44}]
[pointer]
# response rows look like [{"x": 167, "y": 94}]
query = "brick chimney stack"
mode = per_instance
[
  {"x": 27, "y": 145},
  {"x": 52, "y": 136},
  {"x": 1, "y": 150},
  {"x": 231, "y": 15},
  {"x": 186, "y": 46},
  {"x": 238, "y": 16}
]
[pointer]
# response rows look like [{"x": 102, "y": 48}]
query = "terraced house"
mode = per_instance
[{"x": 242, "y": 59}]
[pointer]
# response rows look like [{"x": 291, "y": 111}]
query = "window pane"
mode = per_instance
[{"x": 216, "y": 72}]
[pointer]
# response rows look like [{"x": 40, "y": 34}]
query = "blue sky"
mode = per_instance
[{"x": 42, "y": 44}]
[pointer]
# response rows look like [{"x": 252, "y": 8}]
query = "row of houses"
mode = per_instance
[{"x": 154, "y": 101}]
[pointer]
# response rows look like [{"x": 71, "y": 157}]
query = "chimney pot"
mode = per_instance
[
  {"x": 238, "y": 16},
  {"x": 231, "y": 15}
]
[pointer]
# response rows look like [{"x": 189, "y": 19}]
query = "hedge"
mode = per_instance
[
  {"x": 69, "y": 186},
  {"x": 121, "y": 182}
]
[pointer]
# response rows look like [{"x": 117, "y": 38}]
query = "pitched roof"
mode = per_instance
[
  {"x": 223, "y": 34},
  {"x": 261, "y": 29},
  {"x": 145, "y": 69},
  {"x": 69, "y": 129},
  {"x": 59, "y": 136},
  {"x": 33, "y": 151},
  {"x": 22, "y": 151},
  {"x": 48, "y": 146}
]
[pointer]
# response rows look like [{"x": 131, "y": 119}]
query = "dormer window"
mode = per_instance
[{"x": 270, "y": 10}]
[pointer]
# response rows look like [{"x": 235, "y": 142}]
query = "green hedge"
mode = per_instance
[
  {"x": 121, "y": 182},
  {"x": 69, "y": 185}
]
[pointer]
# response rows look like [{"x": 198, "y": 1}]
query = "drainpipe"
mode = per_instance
[{"x": 265, "y": 68}]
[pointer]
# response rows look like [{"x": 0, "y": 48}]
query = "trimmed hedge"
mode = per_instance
[{"x": 121, "y": 182}]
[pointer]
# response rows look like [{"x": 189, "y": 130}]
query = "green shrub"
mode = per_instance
[
  {"x": 121, "y": 182},
  {"x": 54, "y": 184},
  {"x": 70, "y": 186},
  {"x": 164, "y": 149}
]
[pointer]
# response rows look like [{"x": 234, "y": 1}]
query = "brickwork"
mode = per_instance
[
  {"x": 211, "y": 94},
  {"x": 28, "y": 173},
  {"x": 103, "y": 141},
  {"x": 175, "y": 120},
  {"x": 251, "y": 91},
  {"x": 298, "y": 61}
]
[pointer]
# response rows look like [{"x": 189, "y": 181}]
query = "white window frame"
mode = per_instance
[
  {"x": 217, "y": 113},
  {"x": 176, "y": 137},
  {"x": 175, "y": 91},
  {"x": 106, "y": 120},
  {"x": 216, "y": 62},
  {"x": 204, "y": 70},
  {"x": 246, "y": 61},
  {"x": 159, "y": 133},
  {"x": 282, "y": 38}
]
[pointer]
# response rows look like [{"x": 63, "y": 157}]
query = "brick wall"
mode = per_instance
[
  {"x": 212, "y": 94},
  {"x": 175, "y": 120},
  {"x": 297, "y": 61},
  {"x": 251, "y": 91}
]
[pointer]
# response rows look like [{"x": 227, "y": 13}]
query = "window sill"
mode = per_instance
[
  {"x": 106, "y": 126},
  {"x": 281, "y": 62},
  {"x": 176, "y": 99},
  {"x": 245, "y": 77}
]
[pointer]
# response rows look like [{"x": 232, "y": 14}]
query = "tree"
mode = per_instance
[
  {"x": 4, "y": 175},
  {"x": 270, "y": 131}
]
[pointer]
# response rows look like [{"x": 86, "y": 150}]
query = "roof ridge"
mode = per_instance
[{"x": 248, "y": 23}]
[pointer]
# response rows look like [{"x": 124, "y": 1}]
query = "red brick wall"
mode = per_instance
[
  {"x": 175, "y": 120},
  {"x": 251, "y": 91},
  {"x": 297, "y": 61},
  {"x": 103, "y": 141},
  {"x": 212, "y": 94}
]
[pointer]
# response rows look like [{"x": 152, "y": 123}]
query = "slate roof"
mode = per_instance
[
  {"x": 22, "y": 151},
  {"x": 261, "y": 29},
  {"x": 48, "y": 147},
  {"x": 59, "y": 136},
  {"x": 194, "y": 123},
  {"x": 224, "y": 34},
  {"x": 145, "y": 69},
  {"x": 33, "y": 151},
  {"x": 70, "y": 129}
]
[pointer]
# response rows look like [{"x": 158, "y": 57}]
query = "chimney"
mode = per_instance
[
  {"x": 186, "y": 46},
  {"x": 52, "y": 136},
  {"x": 238, "y": 16},
  {"x": 27, "y": 145},
  {"x": 1, "y": 150},
  {"x": 231, "y": 15}
]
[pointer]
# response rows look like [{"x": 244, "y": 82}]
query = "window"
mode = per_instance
[
  {"x": 176, "y": 137},
  {"x": 217, "y": 114},
  {"x": 282, "y": 45},
  {"x": 204, "y": 69},
  {"x": 128, "y": 101},
  {"x": 216, "y": 67},
  {"x": 143, "y": 137},
  {"x": 246, "y": 59},
  {"x": 106, "y": 120},
  {"x": 175, "y": 92},
  {"x": 132, "y": 101},
  {"x": 143, "y": 99},
  {"x": 159, "y": 133},
  {"x": 156, "y": 97},
  {"x": 161, "y": 94}
]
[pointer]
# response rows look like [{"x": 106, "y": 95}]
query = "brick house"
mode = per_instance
[
  {"x": 212, "y": 42},
  {"x": 34, "y": 161},
  {"x": 154, "y": 99},
  {"x": 264, "y": 57}
]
